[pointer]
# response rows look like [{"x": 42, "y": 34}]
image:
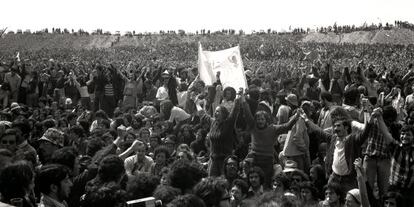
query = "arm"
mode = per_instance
[
  {"x": 248, "y": 114},
  {"x": 284, "y": 128},
  {"x": 317, "y": 130},
  {"x": 130, "y": 150},
  {"x": 235, "y": 111},
  {"x": 361, "y": 183},
  {"x": 384, "y": 130}
]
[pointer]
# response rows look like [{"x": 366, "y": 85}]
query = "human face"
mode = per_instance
[
  {"x": 236, "y": 194},
  {"x": 199, "y": 136},
  {"x": 278, "y": 187},
  {"x": 9, "y": 142},
  {"x": 296, "y": 179},
  {"x": 339, "y": 129},
  {"x": 331, "y": 196},
  {"x": 306, "y": 194},
  {"x": 65, "y": 187},
  {"x": 254, "y": 180},
  {"x": 227, "y": 95},
  {"x": 406, "y": 137},
  {"x": 390, "y": 202},
  {"x": 350, "y": 201},
  {"x": 141, "y": 153},
  {"x": 231, "y": 167},
  {"x": 261, "y": 121},
  {"x": 160, "y": 158},
  {"x": 182, "y": 156},
  {"x": 225, "y": 200},
  {"x": 219, "y": 114},
  {"x": 46, "y": 150}
]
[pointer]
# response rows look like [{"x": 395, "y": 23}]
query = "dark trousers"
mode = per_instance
[
  {"x": 216, "y": 166},
  {"x": 266, "y": 164},
  {"x": 348, "y": 182}
]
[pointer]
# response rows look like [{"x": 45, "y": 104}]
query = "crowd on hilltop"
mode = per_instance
[{"x": 319, "y": 125}]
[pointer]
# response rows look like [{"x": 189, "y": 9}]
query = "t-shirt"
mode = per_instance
[{"x": 162, "y": 94}]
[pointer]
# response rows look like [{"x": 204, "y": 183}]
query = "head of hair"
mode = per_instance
[
  {"x": 394, "y": 195},
  {"x": 326, "y": 96},
  {"x": 65, "y": 156},
  {"x": 188, "y": 200},
  {"x": 111, "y": 168},
  {"x": 282, "y": 179},
  {"x": 389, "y": 113},
  {"x": 166, "y": 193},
  {"x": 141, "y": 186},
  {"x": 239, "y": 183},
  {"x": 272, "y": 199},
  {"x": 15, "y": 180},
  {"x": 162, "y": 149},
  {"x": 51, "y": 174},
  {"x": 259, "y": 171},
  {"x": 184, "y": 175},
  {"x": 337, "y": 189},
  {"x": 107, "y": 195},
  {"x": 94, "y": 145},
  {"x": 211, "y": 190},
  {"x": 232, "y": 92},
  {"x": 309, "y": 185},
  {"x": 101, "y": 114},
  {"x": 351, "y": 96},
  {"x": 265, "y": 114}
]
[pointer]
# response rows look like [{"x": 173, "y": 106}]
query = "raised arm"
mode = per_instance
[
  {"x": 284, "y": 128},
  {"x": 361, "y": 183},
  {"x": 383, "y": 128}
]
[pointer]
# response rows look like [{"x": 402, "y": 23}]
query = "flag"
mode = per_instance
[{"x": 228, "y": 62}]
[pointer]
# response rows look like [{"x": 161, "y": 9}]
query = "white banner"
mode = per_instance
[{"x": 228, "y": 62}]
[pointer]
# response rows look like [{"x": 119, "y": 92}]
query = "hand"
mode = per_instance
[
  {"x": 136, "y": 145},
  {"x": 358, "y": 166},
  {"x": 118, "y": 141},
  {"x": 377, "y": 113}
]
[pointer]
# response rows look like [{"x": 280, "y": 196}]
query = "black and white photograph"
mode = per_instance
[{"x": 219, "y": 103}]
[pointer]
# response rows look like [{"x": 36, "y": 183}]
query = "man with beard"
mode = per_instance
[
  {"x": 54, "y": 184},
  {"x": 264, "y": 136}
]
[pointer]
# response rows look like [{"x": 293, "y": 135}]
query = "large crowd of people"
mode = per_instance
[{"x": 138, "y": 127}]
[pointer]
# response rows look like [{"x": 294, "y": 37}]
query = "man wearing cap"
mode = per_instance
[
  {"x": 51, "y": 140},
  {"x": 14, "y": 80}
]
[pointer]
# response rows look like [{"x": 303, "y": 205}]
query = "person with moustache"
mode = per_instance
[{"x": 343, "y": 147}]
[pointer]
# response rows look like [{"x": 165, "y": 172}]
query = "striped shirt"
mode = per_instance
[
  {"x": 109, "y": 90},
  {"x": 402, "y": 166},
  {"x": 376, "y": 147}
]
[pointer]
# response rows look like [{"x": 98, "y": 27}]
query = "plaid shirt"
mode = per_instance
[
  {"x": 376, "y": 146},
  {"x": 402, "y": 166}
]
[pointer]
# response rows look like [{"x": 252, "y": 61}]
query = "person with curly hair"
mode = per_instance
[
  {"x": 213, "y": 191},
  {"x": 141, "y": 186},
  {"x": 161, "y": 156},
  {"x": 184, "y": 175},
  {"x": 108, "y": 195}
]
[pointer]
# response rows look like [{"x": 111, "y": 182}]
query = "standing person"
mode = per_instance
[
  {"x": 264, "y": 137},
  {"x": 98, "y": 81},
  {"x": 343, "y": 147},
  {"x": 221, "y": 136},
  {"x": 402, "y": 160},
  {"x": 14, "y": 80}
]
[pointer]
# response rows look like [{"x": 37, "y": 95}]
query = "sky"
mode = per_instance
[{"x": 192, "y": 15}]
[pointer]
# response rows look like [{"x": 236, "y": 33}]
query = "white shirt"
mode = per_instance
[
  {"x": 339, "y": 166},
  {"x": 178, "y": 115},
  {"x": 162, "y": 94}
]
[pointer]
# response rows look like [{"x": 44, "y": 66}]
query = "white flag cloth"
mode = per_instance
[{"x": 228, "y": 62}]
